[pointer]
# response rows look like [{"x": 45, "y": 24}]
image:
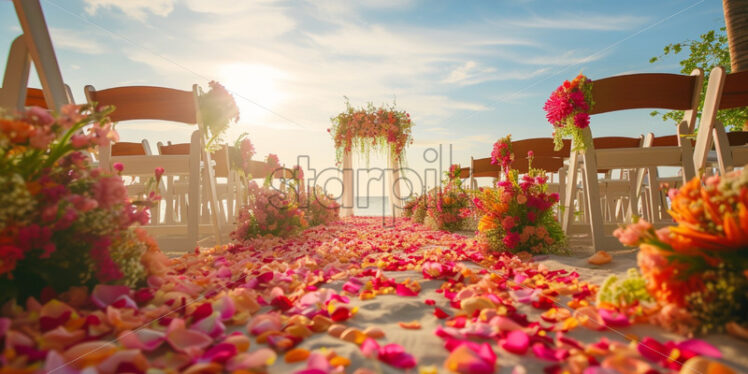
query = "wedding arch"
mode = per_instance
[{"x": 367, "y": 129}]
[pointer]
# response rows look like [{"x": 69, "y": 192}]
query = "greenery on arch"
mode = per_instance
[{"x": 370, "y": 128}]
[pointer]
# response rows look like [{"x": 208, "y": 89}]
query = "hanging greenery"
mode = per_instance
[{"x": 369, "y": 128}]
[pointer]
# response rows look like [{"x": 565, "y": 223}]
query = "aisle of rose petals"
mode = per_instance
[{"x": 274, "y": 305}]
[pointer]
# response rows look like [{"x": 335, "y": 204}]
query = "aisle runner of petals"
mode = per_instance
[{"x": 267, "y": 304}]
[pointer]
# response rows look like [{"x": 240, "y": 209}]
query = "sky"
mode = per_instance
[{"x": 468, "y": 72}]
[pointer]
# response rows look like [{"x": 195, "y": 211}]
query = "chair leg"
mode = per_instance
[
  {"x": 593, "y": 194},
  {"x": 193, "y": 209},
  {"x": 567, "y": 215}
]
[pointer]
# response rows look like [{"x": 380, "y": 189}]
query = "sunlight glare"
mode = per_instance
[{"x": 254, "y": 83}]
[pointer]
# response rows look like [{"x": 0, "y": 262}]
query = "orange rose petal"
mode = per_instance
[
  {"x": 296, "y": 355},
  {"x": 600, "y": 258},
  {"x": 413, "y": 325}
]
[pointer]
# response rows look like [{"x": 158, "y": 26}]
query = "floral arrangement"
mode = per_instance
[
  {"x": 568, "y": 111},
  {"x": 448, "y": 209},
  {"x": 365, "y": 128},
  {"x": 453, "y": 175},
  {"x": 269, "y": 212},
  {"x": 62, "y": 222},
  {"x": 218, "y": 110},
  {"x": 241, "y": 153},
  {"x": 415, "y": 208},
  {"x": 409, "y": 206},
  {"x": 697, "y": 267},
  {"x": 319, "y": 207},
  {"x": 272, "y": 167},
  {"x": 518, "y": 214}
]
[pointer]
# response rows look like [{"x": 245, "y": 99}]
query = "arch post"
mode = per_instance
[
  {"x": 348, "y": 185},
  {"x": 394, "y": 190}
]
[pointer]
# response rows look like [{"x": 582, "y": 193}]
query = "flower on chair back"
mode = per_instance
[
  {"x": 218, "y": 110},
  {"x": 568, "y": 111}
]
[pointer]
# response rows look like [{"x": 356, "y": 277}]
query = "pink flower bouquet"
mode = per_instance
[{"x": 64, "y": 223}]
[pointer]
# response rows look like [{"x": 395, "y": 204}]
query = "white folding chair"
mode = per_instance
[
  {"x": 724, "y": 91},
  {"x": 661, "y": 91},
  {"x": 166, "y": 104}
]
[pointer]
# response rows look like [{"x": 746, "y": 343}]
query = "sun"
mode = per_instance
[{"x": 255, "y": 88}]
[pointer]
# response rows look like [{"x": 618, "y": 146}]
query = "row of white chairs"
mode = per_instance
[
  {"x": 594, "y": 206},
  {"x": 194, "y": 180}
]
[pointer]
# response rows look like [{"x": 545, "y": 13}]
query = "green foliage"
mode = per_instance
[
  {"x": 709, "y": 51},
  {"x": 624, "y": 292}
]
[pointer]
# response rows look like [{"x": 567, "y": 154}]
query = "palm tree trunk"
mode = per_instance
[{"x": 736, "y": 20}]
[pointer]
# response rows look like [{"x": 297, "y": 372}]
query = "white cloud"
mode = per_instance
[
  {"x": 261, "y": 23},
  {"x": 565, "y": 59},
  {"x": 138, "y": 9},
  {"x": 75, "y": 41},
  {"x": 502, "y": 41},
  {"x": 472, "y": 73},
  {"x": 582, "y": 21},
  {"x": 230, "y": 7},
  {"x": 466, "y": 72}
]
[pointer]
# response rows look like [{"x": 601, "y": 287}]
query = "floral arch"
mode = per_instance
[{"x": 367, "y": 129}]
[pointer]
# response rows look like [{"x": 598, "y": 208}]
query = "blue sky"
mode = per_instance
[{"x": 468, "y": 72}]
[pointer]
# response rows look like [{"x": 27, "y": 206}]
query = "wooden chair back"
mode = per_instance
[
  {"x": 174, "y": 149},
  {"x": 482, "y": 167},
  {"x": 129, "y": 149},
  {"x": 737, "y": 138},
  {"x": 146, "y": 103},
  {"x": 541, "y": 147},
  {"x": 35, "y": 97},
  {"x": 650, "y": 90},
  {"x": 464, "y": 172},
  {"x": 734, "y": 91}
]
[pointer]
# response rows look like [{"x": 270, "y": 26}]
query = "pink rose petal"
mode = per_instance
[
  {"x": 317, "y": 361},
  {"x": 104, "y": 295},
  {"x": 54, "y": 362},
  {"x": 403, "y": 290},
  {"x": 652, "y": 349},
  {"x": 191, "y": 342},
  {"x": 263, "y": 323},
  {"x": 144, "y": 339},
  {"x": 370, "y": 348},
  {"x": 225, "y": 307},
  {"x": 516, "y": 342},
  {"x": 220, "y": 353},
  {"x": 613, "y": 318},
  {"x": 526, "y": 295},
  {"x": 353, "y": 286},
  {"x": 210, "y": 325},
  {"x": 699, "y": 347},
  {"x": 549, "y": 354},
  {"x": 129, "y": 360},
  {"x": 395, "y": 355}
]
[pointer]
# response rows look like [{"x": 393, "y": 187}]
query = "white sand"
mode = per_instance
[{"x": 386, "y": 311}]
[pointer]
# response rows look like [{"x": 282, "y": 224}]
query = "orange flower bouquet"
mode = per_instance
[{"x": 699, "y": 264}]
